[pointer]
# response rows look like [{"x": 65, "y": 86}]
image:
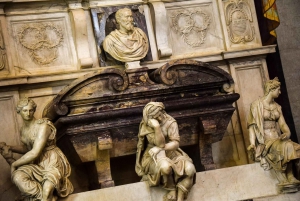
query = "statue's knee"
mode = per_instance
[
  {"x": 165, "y": 168},
  {"x": 19, "y": 177},
  {"x": 190, "y": 169}
]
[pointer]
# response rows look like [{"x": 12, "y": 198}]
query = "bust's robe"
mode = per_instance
[{"x": 125, "y": 47}]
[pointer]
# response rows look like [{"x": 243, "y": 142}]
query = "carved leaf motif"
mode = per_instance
[{"x": 42, "y": 41}]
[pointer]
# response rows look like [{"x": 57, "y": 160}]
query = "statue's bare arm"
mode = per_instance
[
  {"x": 173, "y": 144},
  {"x": 20, "y": 149},
  {"x": 38, "y": 146},
  {"x": 286, "y": 133},
  {"x": 252, "y": 136}
]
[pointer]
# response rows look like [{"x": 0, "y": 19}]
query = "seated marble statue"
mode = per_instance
[
  {"x": 128, "y": 43},
  {"x": 269, "y": 136},
  {"x": 42, "y": 172},
  {"x": 159, "y": 158}
]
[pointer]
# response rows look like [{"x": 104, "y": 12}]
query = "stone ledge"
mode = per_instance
[{"x": 235, "y": 183}]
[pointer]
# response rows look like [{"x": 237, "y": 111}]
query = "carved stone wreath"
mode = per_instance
[
  {"x": 192, "y": 25},
  {"x": 42, "y": 41}
]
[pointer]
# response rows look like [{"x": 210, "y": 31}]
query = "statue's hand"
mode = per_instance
[
  {"x": 2, "y": 144},
  {"x": 154, "y": 151},
  {"x": 251, "y": 151},
  {"x": 153, "y": 123},
  {"x": 251, "y": 147},
  {"x": 284, "y": 136},
  {"x": 13, "y": 167}
]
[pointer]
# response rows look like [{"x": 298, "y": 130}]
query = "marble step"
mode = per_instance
[{"x": 246, "y": 182}]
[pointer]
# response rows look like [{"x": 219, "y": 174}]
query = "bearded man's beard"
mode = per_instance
[{"x": 129, "y": 26}]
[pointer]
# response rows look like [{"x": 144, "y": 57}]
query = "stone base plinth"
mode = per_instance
[{"x": 235, "y": 183}]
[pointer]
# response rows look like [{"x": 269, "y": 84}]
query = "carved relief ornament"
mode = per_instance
[
  {"x": 239, "y": 21},
  {"x": 2, "y": 51},
  {"x": 42, "y": 41},
  {"x": 192, "y": 25}
]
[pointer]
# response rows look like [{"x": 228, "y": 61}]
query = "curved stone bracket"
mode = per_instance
[{"x": 159, "y": 15}]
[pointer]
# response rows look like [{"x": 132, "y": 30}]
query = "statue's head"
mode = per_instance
[
  {"x": 26, "y": 108},
  {"x": 272, "y": 85},
  {"x": 124, "y": 19},
  {"x": 153, "y": 110}
]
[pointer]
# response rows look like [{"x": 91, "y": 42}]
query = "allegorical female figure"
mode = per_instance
[
  {"x": 159, "y": 158},
  {"x": 270, "y": 136},
  {"x": 42, "y": 172}
]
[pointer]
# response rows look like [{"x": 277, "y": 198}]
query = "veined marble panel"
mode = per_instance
[
  {"x": 195, "y": 28},
  {"x": 42, "y": 43},
  {"x": 9, "y": 125},
  {"x": 240, "y": 24},
  {"x": 249, "y": 76}
]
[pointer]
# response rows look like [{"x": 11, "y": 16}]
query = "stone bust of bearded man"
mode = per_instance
[{"x": 128, "y": 43}]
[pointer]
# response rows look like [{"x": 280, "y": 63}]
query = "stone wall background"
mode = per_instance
[{"x": 288, "y": 39}]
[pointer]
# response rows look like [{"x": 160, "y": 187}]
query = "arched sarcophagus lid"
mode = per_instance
[{"x": 110, "y": 88}]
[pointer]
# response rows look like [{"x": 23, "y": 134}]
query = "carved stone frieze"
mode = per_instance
[
  {"x": 239, "y": 21},
  {"x": 191, "y": 24},
  {"x": 41, "y": 41}
]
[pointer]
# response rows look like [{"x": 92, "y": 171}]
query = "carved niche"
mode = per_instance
[
  {"x": 239, "y": 21},
  {"x": 41, "y": 41},
  {"x": 191, "y": 24},
  {"x": 104, "y": 22}
]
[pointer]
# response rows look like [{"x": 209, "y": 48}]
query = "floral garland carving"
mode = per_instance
[
  {"x": 187, "y": 24},
  {"x": 39, "y": 39}
]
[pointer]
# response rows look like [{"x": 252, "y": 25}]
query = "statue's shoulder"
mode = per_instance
[
  {"x": 111, "y": 35},
  {"x": 278, "y": 106},
  {"x": 140, "y": 31},
  {"x": 44, "y": 121},
  {"x": 256, "y": 103}
]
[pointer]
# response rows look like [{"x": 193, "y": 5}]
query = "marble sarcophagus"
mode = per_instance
[{"x": 97, "y": 116}]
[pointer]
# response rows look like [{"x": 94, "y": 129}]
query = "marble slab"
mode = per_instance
[
  {"x": 235, "y": 183},
  {"x": 283, "y": 197}
]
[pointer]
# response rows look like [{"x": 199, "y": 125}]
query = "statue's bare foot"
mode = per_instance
[
  {"x": 170, "y": 196},
  {"x": 293, "y": 180},
  {"x": 54, "y": 198}
]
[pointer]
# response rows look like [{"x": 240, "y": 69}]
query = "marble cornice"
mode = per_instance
[{"x": 56, "y": 77}]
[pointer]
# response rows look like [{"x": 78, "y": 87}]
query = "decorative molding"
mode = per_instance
[
  {"x": 191, "y": 24},
  {"x": 239, "y": 21},
  {"x": 41, "y": 41},
  {"x": 3, "y": 57}
]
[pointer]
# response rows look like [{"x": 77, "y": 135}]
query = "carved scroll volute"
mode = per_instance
[
  {"x": 61, "y": 109},
  {"x": 165, "y": 75},
  {"x": 177, "y": 72},
  {"x": 119, "y": 82}
]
